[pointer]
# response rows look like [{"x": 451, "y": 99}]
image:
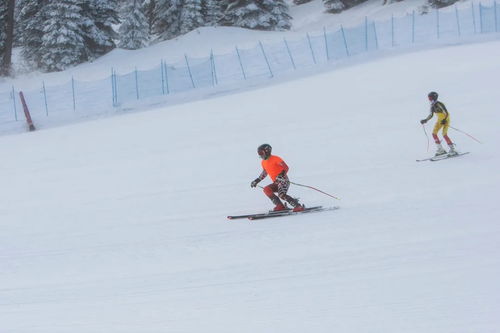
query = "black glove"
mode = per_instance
[
  {"x": 443, "y": 122},
  {"x": 423, "y": 121},
  {"x": 255, "y": 182}
]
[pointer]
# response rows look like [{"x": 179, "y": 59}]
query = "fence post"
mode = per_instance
[
  {"x": 345, "y": 41},
  {"x": 112, "y": 88},
  {"x": 136, "y": 84},
  {"x": 162, "y": 78},
  {"x": 326, "y": 45},
  {"x": 437, "y": 23},
  {"x": 265, "y": 57},
  {"x": 473, "y": 17},
  {"x": 289, "y": 53},
  {"x": 45, "y": 98},
  {"x": 311, "y": 47},
  {"x": 481, "y": 18},
  {"x": 376, "y": 37},
  {"x": 14, "y": 102},
  {"x": 189, "y": 70},
  {"x": 366, "y": 33},
  {"x": 496, "y": 15},
  {"x": 392, "y": 30},
  {"x": 413, "y": 27},
  {"x": 458, "y": 22},
  {"x": 213, "y": 68},
  {"x": 27, "y": 114},
  {"x": 73, "y": 91},
  {"x": 241, "y": 63},
  {"x": 165, "y": 70}
]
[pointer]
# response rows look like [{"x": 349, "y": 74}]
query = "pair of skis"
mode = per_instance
[
  {"x": 287, "y": 212},
  {"x": 442, "y": 157}
]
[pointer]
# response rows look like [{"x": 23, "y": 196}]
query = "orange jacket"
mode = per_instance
[{"x": 273, "y": 166}]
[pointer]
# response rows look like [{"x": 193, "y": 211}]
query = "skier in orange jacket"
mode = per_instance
[{"x": 274, "y": 167}]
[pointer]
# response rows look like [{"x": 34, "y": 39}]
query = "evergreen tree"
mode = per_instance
[
  {"x": 191, "y": 16},
  {"x": 3, "y": 35},
  {"x": 31, "y": 21},
  {"x": 300, "y": 2},
  {"x": 134, "y": 31},
  {"x": 62, "y": 41},
  {"x": 280, "y": 19},
  {"x": 99, "y": 18},
  {"x": 258, "y": 14},
  {"x": 336, "y": 6},
  {"x": 213, "y": 11},
  {"x": 167, "y": 18},
  {"x": 149, "y": 8},
  {"x": 441, "y": 3}
]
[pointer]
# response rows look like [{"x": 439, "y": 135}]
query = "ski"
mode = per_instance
[
  {"x": 288, "y": 213},
  {"x": 441, "y": 157},
  {"x": 271, "y": 212},
  {"x": 447, "y": 157}
]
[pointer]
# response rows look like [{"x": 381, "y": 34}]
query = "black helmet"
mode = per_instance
[
  {"x": 433, "y": 96},
  {"x": 264, "y": 151}
]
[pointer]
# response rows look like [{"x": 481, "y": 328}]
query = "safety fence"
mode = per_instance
[{"x": 78, "y": 99}]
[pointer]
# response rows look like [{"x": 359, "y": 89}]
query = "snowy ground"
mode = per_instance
[{"x": 119, "y": 224}]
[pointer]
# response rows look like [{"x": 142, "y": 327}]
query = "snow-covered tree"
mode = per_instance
[
  {"x": 300, "y": 2},
  {"x": 167, "y": 22},
  {"x": 149, "y": 8},
  {"x": 213, "y": 11},
  {"x": 336, "y": 6},
  {"x": 191, "y": 16},
  {"x": 441, "y": 3},
  {"x": 31, "y": 21},
  {"x": 280, "y": 19},
  {"x": 99, "y": 18},
  {"x": 134, "y": 31},
  {"x": 258, "y": 14},
  {"x": 62, "y": 41}
]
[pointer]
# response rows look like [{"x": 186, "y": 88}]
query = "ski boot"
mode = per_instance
[
  {"x": 452, "y": 151},
  {"x": 279, "y": 207},
  {"x": 298, "y": 208},
  {"x": 440, "y": 151}
]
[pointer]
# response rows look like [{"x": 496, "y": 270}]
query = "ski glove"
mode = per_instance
[
  {"x": 255, "y": 182},
  {"x": 443, "y": 122},
  {"x": 423, "y": 121}
]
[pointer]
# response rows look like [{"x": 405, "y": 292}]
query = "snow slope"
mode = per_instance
[{"x": 118, "y": 225}]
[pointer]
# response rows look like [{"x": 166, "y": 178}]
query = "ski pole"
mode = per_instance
[
  {"x": 470, "y": 136},
  {"x": 313, "y": 188},
  {"x": 427, "y": 136}
]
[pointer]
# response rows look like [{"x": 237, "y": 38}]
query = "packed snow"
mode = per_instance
[{"x": 119, "y": 224}]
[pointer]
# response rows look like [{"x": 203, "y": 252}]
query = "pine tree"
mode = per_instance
[
  {"x": 336, "y": 6},
  {"x": 134, "y": 31},
  {"x": 99, "y": 18},
  {"x": 300, "y": 2},
  {"x": 3, "y": 35},
  {"x": 31, "y": 21},
  {"x": 191, "y": 16},
  {"x": 149, "y": 8},
  {"x": 441, "y": 3},
  {"x": 213, "y": 11},
  {"x": 280, "y": 19},
  {"x": 258, "y": 14},
  {"x": 62, "y": 41},
  {"x": 167, "y": 18}
]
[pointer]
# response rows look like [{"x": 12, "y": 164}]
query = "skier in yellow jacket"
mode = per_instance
[{"x": 443, "y": 122}]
